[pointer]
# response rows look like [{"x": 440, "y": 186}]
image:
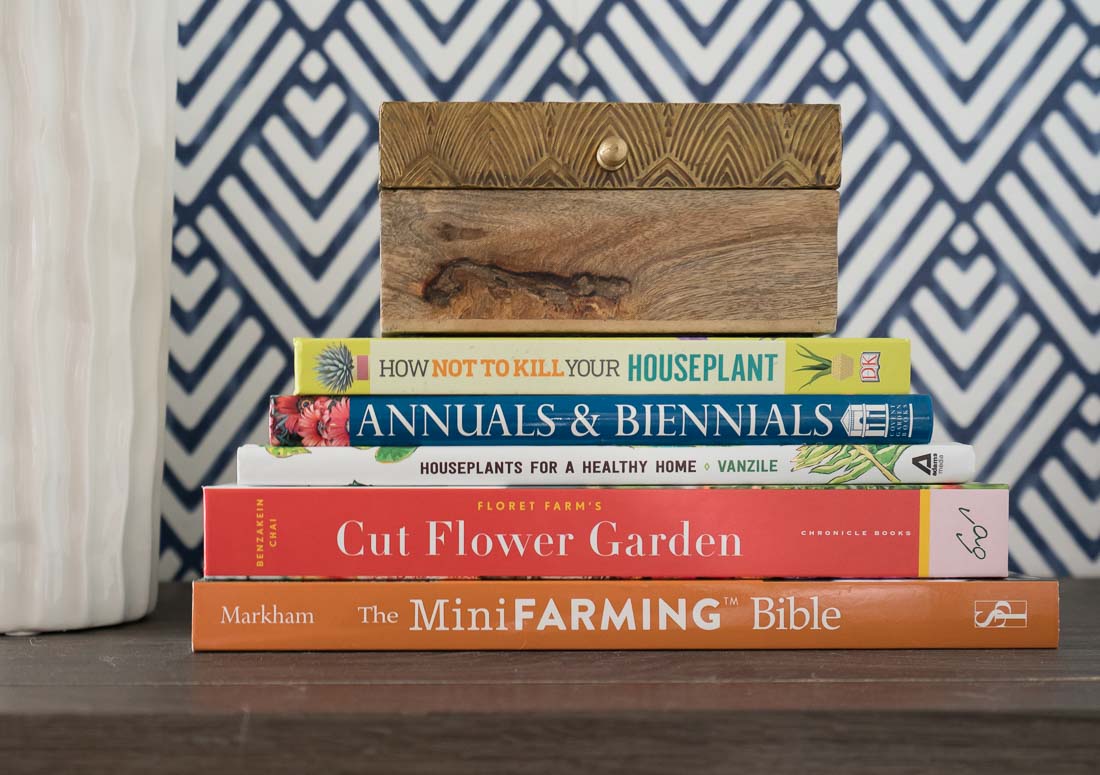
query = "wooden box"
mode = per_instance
[{"x": 608, "y": 218}]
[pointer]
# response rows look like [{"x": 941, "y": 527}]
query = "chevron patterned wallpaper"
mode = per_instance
[{"x": 970, "y": 214}]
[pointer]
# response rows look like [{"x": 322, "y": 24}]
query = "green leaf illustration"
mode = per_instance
[
  {"x": 839, "y": 366},
  {"x": 849, "y": 461},
  {"x": 814, "y": 379},
  {"x": 812, "y": 454},
  {"x": 857, "y": 471},
  {"x": 805, "y": 352},
  {"x": 286, "y": 451},
  {"x": 838, "y": 463},
  {"x": 393, "y": 454}
]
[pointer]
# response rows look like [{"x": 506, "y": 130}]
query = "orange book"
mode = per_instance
[{"x": 601, "y": 614}]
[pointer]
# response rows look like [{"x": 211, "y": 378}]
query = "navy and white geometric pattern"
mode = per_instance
[{"x": 970, "y": 218}]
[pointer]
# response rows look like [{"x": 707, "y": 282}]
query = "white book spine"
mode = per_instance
[{"x": 491, "y": 466}]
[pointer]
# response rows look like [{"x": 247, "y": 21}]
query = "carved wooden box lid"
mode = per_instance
[{"x": 597, "y": 145}]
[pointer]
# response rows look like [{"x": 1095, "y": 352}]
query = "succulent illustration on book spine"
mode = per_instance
[
  {"x": 849, "y": 461},
  {"x": 334, "y": 367},
  {"x": 839, "y": 367}
]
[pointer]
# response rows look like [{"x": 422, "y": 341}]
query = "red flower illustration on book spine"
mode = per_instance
[
  {"x": 286, "y": 407},
  {"x": 313, "y": 421},
  {"x": 336, "y": 431},
  {"x": 309, "y": 421}
]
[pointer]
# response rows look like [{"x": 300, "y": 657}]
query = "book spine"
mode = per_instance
[
  {"x": 459, "y": 615},
  {"x": 560, "y": 366},
  {"x": 491, "y": 466},
  {"x": 855, "y": 531},
  {"x": 399, "y": 421}
]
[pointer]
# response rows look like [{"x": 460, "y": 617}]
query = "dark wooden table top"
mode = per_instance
[{"x": 134, "y": 698}]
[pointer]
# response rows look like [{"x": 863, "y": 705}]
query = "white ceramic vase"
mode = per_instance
[{"x": 87, "y": 93}]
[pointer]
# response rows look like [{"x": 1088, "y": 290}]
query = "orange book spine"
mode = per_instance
[{"x": 600, "y": 614}]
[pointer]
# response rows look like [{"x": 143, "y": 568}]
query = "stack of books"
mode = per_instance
[{"x": 609, "y": 493}]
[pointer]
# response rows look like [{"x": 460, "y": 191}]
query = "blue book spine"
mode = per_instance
[{"x": 644, "y": 420}]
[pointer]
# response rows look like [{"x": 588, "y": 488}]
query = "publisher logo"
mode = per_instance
[
  {"x": 869, "y": 366},
  {"x": 999, "y": 614},
  {"x": 866, "y": 420},
  {"x": 931, "y": 463}
]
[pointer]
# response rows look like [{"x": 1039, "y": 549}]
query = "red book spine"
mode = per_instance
[{"x": 369, "y": 532}]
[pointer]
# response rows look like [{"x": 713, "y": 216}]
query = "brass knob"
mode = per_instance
[{"x": 611, "y": 155}]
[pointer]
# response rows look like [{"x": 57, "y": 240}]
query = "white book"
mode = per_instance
[{"x": 491, "y": 466}]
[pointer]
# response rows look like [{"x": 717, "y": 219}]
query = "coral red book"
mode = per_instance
[
  {"x": 895, "y": 531},
  {"x": 695, "y": 614}
]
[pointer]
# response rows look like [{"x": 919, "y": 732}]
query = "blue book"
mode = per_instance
[{"x": 645, "y": 420}]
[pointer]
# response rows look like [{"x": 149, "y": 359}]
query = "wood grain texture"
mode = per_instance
[
  {"x": 530, "y": 145},
  {"x": 135, "y": 699},
  {"x": 603, "y": 262}
]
